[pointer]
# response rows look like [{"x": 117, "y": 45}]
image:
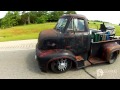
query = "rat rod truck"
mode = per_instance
[{"x": 72, "y": 44}]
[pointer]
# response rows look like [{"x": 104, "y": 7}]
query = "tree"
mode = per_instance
[
  {"x": 41, "y": 19},
  {"x": 16, "y": 17},
  {"x": 24, "y": 17},
  {"x": 10, "y": 19},
  {"x": 40, "y": 13},
  {"x": 70, "y": 12},
  {"x": 0, "y": 22},
  {"x": 33, "y": 16},
  {"x": 13, "y": 18},
  {"x": 55, "y": 15},
  {"x": 6, "y": 22},
  {"x": 28, "y": 19}
]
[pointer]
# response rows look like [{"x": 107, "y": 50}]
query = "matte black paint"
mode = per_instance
[{"x": 53, "y": 44}]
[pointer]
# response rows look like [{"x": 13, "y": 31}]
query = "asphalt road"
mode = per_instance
[{"x": 20, "y": 64}]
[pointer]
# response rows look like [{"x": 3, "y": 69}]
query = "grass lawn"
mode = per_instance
[
  {"x": 24, "y": 32},
  {"x": 32, "y": 31}
]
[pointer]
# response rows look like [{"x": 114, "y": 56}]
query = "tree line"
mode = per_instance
[
  {"x": 15, "y": 18},
  {"x": 99, "y": 21}
]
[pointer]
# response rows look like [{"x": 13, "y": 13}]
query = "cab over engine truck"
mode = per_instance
[{"x": 71, "y": 44}]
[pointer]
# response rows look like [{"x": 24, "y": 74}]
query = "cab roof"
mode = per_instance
[{"x": 74, "y": 15}]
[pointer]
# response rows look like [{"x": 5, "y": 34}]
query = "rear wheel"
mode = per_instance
[
  {"x": 113, "y": 57},
  {"x": 61, "y": 65}
]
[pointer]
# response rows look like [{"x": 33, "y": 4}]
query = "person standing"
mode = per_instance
[{"x": 102, "y": 27}]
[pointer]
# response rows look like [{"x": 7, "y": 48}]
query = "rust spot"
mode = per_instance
[
  {"x": 96, "y": 60},
  {"x": 108, "y": 48},
  {"x": 47, "y": 52},
  {"x": 79, "y": 58}
]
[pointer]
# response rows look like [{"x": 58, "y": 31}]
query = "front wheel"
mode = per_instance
[{"x": 61, "y": 65}]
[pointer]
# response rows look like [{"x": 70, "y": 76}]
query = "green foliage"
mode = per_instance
[
  {"x": 10, "y": 19},
  {"x": 0, "y": 22},
  {"x": 24, "y": 18},
  {"x": 13, "y": 18},
  {"x": 33, "y": 16},
  {"x": 55, "y": 15},
  {"x": 41, "y": 13},
  {"x": 41, "y": 19},
  {"x": 70, "y": 12}
]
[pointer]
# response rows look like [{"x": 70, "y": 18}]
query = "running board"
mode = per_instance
[
  {"x": 91, "y": 61},
  {"x": 96, "y": 60},
  {"x": 84, "y": 63}
]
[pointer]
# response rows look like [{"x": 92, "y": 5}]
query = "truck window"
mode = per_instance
[
  {"x": 79, "y": 25},
  {"x": 61, "y": 24}
]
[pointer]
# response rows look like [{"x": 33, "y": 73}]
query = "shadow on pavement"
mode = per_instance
[{"x": 32, "y": 64}]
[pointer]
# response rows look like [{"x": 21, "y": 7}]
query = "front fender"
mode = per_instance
[
  {"x": 61, "y": 54},
  {"x": 47, "y": 56}
]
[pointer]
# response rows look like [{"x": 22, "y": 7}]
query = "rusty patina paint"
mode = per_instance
[
  {"x": 96, "y": 60},
  {"x": 47, "y": 52},
  {"x": 79, "y": 58},
  {"x": 51, "y": 33},
  {"x": 74, "y": 16},
  {"x": 109, "y": 47},
  {"x": 73, "y": 45}
]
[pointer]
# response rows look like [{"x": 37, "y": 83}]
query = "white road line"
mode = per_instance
[
  {"x": 18, "y": 45},
  {"x": 16, "y": 49}
]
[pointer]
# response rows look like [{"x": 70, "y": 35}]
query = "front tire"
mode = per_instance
[{"x": 61, "y": 65}]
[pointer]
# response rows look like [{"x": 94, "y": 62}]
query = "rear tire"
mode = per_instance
[
  {"x": 113, "y": 57},
  {"x": 61, "y": 65}
]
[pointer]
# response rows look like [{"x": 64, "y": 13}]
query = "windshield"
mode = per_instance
[{"x": 61, "y": 24}]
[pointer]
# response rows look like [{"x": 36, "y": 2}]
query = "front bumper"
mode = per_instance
[{"x": 42, "y": 62}]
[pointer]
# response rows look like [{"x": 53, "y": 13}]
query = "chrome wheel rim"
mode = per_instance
[{"x": 62, "y": 64}]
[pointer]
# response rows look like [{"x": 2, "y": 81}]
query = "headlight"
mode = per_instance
[
  {"x": 49, "y": 44},
  {"x": 52, "y": 44}
]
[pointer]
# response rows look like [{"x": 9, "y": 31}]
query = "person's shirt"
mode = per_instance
[{"x": 102, "y": 27}]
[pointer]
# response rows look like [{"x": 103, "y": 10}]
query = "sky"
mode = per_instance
[
  {"x": 2, "y": 13},
  {"x": 108, "y": 16}
]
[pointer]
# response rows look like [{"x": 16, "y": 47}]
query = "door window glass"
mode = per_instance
[{"x": 79, "y": 24}]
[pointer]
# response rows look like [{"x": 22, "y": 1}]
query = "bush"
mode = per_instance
[{"x": 41, "y": 19}]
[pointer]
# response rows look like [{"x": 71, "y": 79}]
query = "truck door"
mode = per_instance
[
  {"x": 69, "y": 37},
  {"x": 82, "y": 37}
]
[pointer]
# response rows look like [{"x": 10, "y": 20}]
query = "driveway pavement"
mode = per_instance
[
  {"x": 18, "y": 45},
  {"x": 17, "y": 62}
]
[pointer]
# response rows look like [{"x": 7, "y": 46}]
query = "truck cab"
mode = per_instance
[
  {"x": 75, "y": 32},
  {"x": 70, "y": 44}
]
